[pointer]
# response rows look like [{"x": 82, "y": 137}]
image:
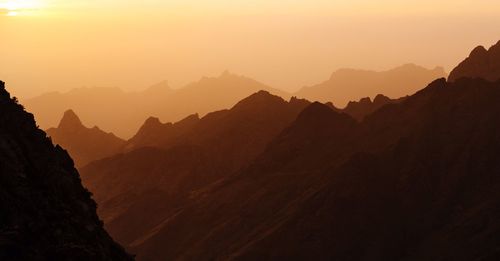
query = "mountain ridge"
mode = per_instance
[{"x": 46, "y": 213}]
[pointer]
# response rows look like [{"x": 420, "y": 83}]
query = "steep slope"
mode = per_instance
[
  {"x": 139, "y": 189},
  {"x": 347, "y": 85},
  {"x": 481, "y": 63},
  {"x": 84, "y": 144},
  {"x": 414, "y": 181},
  {"x": 46, "y": 213},
  {"x": 123, "y": 112}
]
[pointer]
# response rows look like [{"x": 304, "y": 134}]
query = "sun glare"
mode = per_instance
[{"x": 19, "y": 7}]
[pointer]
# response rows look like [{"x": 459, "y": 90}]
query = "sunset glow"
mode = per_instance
[
  {"x": 93, "y": 42},
  {"x": 19, "y": 7}
]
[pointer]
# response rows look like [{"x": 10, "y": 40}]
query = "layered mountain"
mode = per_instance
[
  {"x": 84, "y": 144},
  {"x": 481, "y": 63},
  {"x": 167, "y": 164},
  {"x": 347, "y": 85},
  {"x": 416, "y": 179},
  {"x": 46, "y": 213},
  {"x": 413, "y": 181},
  {"x": 123, "y": 112}
]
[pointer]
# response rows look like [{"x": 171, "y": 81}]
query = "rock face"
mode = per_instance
[
  {"x": 84, "y": 144},
  {"x": 347, "y": 85},
  {"x": 481, "y": 63},
  {"x": 46, "y": 214}
]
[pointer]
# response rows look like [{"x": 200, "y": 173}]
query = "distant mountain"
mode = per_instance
[
  {"x": 347, "y": 85},
  {"x": 481, "y": 63},
  {"x": 84, "y": 144},
  {"x": 139, "y": 189},
  {"x": 46, "y": 214},
  {"x": 123, "y": 112}
]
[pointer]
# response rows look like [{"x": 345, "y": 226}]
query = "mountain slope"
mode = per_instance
[
  {"x": 46, "y": 213},
  {"x": 138, "y": 189},
  {"x": 347, "y": 85},
  {"x": 84, "y": 144},
  {"x": 123, "y": 112},
  {"x": 481, "y": 63},
  {"x": 409, "y": 177}
]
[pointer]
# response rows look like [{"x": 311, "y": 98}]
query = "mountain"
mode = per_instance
[
  {"x": 347, "y": 85},
  {"x": 417, "y": 179},
  {"x": 84, "y": 144},
  {"x": 123, "y": 112},
  {"x": 364, "y": 107},
  {"x": 413, "y": 181},
  {"x": 481, "y": 63},
  {"x": 167, "y": 164},
  {"x": 46, "y": 213}
]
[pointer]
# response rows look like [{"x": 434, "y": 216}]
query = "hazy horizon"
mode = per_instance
[{"x": 61, "y": 45}]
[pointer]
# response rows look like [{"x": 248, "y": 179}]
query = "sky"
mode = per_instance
[{"x": 56, "y": 45}]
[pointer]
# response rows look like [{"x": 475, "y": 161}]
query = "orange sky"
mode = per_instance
[{"x": 57, "y": 45}]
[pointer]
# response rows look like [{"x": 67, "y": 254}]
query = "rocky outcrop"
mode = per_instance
[{"x": 46, "y": 214}]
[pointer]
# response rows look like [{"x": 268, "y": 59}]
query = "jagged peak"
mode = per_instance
[{"x": 70, "y": 121}]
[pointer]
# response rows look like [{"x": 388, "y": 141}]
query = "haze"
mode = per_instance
[{"x": 59, "y": 45}]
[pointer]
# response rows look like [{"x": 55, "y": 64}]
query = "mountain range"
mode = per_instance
[
  {"x": 347, "y": 85},
  {"x": 407, "y": 179},
  {"x": 411, "y": 178},
  {"x": 86, "y": 145},
  {"x": 46, "y": 214},
  {"x": 123, "y": 112}
]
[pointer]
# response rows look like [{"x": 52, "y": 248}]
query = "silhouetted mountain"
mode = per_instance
[
  {"x": 347, "y": 85},
  {"x": 46, "y": 214},
  {"x": 154, "y": 133},
  {"x": 123, "y": 112},
  {"x": 84, "y": 144},
  {"x": 413, "y": 181},
  {"x": 366, "y": 106},
  {"x": 139, "y": 189},
  {"x": 481, "y": 63}
]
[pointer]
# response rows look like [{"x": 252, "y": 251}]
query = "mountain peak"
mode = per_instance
[
  {"x": 260, "y": 99},
  {"x": 481, "y": 63},
  {"x": 70, "y": 121},
  {"x": 478, "y": 51}
]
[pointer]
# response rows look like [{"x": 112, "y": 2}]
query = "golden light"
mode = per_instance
[{"x": 19, "y": 7}]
